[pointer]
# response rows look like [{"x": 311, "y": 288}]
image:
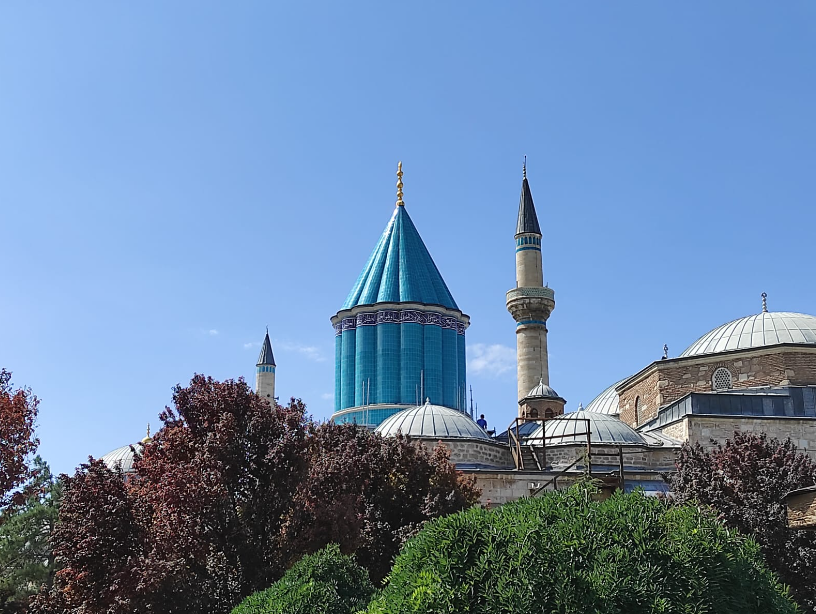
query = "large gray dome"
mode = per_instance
[
  {"x": 604, "y": 430},
  {"x": 431, "y": 421},
  {"x": 606, "y": 402},
  {"x": 766, "y": 328},
  {"x": 122, "y": 457}
]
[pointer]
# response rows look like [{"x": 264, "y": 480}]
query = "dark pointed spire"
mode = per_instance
[
  {"x": 266, "y": 357},
  {"x": 527, "y": 218}
]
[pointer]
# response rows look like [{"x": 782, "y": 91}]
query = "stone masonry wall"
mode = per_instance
[
  {"x": 476, "y": 451},
  {"x": 704, "y": 429},
  {"x": 667, "y": 381}
]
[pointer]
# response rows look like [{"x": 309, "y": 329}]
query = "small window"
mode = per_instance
[
  {"x": 548, "y": 413},
  {"x": 637, "y": 411},
  {"x": 534, "y": 413},
  {"x": 721, "y": 380}
]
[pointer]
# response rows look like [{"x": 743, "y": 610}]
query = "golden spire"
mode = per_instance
[
  {"x": 146, "y": 439},
  {"x": 400, "y": 202}
]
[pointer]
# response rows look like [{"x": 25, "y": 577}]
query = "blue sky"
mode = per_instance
[{"x": 176, "y": 176}]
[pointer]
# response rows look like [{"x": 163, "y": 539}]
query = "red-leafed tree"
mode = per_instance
[
  {"x": 100, "y": 543},
  {"x": 228, "y": 494},
  {"x": 369, "y": 493},
  {"x": 745, "y": 480},
  {"x": 18, "y": 412}
]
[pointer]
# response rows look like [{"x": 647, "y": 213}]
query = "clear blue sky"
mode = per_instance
[{"x": 176, "y": 176}]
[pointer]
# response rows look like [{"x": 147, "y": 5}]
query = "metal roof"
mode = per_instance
[
  {"x": 266, "y": 357},
  {"x": 606, "y": 402},
  {"x": 122, "y": 456},
  {"x": 563, "y": 430},
  {"x": 431, "y": 421},
  {"x": 762, "y": 329},
  {"x": 527, "y": 218},
  {"x": 543, "y": 390},
  {"x": 400, "y": 270}
]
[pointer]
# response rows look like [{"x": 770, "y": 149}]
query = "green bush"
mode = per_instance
[
  {"x": 326, "y": 582},
  {"x": 565, "y": 553}
]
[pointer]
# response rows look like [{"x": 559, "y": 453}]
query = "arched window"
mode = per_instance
[
  {"x": 721, "y": 379},
  {"x": 548, "y": 413},
  {"x": 534, "y": 413},
  {"x": 637, "y": 411}
]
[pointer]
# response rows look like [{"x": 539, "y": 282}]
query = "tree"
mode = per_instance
[
  {"x": 228, "y": 494},
  {"x": 326, "y": 582},
  {"x": 745, "y": 480},
  {"x": 563, "y": 552},
  {"x": 26, "y": 558},
  {"x": 368, "y": 493},
  {"x": 18, "y": 412}
]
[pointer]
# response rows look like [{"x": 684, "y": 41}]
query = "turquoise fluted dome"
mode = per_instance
[{"x": 400, "y": 270}]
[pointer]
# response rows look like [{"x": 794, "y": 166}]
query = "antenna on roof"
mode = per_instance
[{"x": 764, "y": 302}]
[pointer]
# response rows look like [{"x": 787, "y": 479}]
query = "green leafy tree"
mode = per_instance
[
  {"x": 326, "y": 582},
  {"x": 26, "y": 560},
  {"x": 565, "y": 553},
  {"x": 745, "y": 481}
]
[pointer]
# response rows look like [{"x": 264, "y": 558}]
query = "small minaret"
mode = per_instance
[
  {"x": 530, "y": 303},
  {"x": 265, "y": 371}
]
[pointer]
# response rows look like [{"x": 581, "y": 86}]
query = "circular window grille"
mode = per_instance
[{"x": 721, "y": 380}]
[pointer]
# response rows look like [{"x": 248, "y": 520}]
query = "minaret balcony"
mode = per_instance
[{"x": 530, "y": 305}]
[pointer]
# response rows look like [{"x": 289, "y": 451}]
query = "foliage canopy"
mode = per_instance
[
  {"x": 326, "y": 582},
  {"x": 563, "y": 552},
  {"x": 745, "y": 480}
]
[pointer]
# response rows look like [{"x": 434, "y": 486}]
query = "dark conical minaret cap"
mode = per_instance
[
  {"x": 527, "y": 218},
  {"x": 266, "y": 357}
]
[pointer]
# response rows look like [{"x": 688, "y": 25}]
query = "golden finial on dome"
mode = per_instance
[
  {"x": 400, "y": 202},
  {"x": 146, "y": 439}
]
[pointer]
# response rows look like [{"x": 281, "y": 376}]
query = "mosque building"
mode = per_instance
[{"x": 400, "y": 368}]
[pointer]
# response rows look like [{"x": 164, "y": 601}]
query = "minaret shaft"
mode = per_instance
[{"x": 530, "y": 303}]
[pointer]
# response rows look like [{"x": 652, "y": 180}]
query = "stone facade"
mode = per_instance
[
  {"x": 667, "y": 380},
  {"x": 541, "y": 407},
  {"x": 709, "y": 431},
  {"x": 477, "y": 451}
]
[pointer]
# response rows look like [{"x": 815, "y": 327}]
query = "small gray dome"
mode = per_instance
[
  {"x": 606, "y": 402},
  {"x": 543, "y": 390},
  {"x": 604, "y": 430},
  {"x": 766, "y": 328},
  {"x": 431, "y": 421},
  {"x": 123, "y": 457}
]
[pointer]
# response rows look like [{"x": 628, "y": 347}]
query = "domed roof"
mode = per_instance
[
  {"x": 400, "y": 270},
  {"x": 123, "y": 457},
  {"x": 606, "y": 402},
  {"x": 762, "y": 329},
  {"x": 604, "y": 429},
  {"x": 431, "y": 421},
  {"x": 543, "y": 390}
]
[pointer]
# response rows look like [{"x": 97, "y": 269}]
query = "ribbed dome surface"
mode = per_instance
[
  {"x": 605, "y": 430},
  {"x": 543, "y": 390},
  {"x": 767, "y": 328},
  {"x": 122, "y": 456},
  {"x": 606, "y": 402},
  {"x": 400, "y": 270},
  {"x": 431, "y": 421}
]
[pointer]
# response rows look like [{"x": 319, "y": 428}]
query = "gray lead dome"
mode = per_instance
[
  {"x": 569, "y": 428},
  {"x": 431, "y": 421},
  {"x": 763, "y": 329}
]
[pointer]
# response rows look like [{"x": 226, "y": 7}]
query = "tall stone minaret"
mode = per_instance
[
  {"x": 530, "y": 303},
  {"x": 265, "y": 371}
]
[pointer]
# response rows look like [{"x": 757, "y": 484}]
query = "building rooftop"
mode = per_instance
[
  {"x": 606, "y": 402},
  {"x": 762, "y": 329},
  {"x": 431, "y": 421},
  {"x": 400, "y": 270}
]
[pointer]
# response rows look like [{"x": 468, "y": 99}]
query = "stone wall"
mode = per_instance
[
  {"x": 668, "y": 380},
  {"x": 475, "y": 451},
  {"x": 651, "y": 458},
  {"x": 704, "y": 429}
]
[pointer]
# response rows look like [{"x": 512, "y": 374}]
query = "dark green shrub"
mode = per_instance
[
  {"x": 326, "y": 582},
  {"x": 565, "y": 553}
]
